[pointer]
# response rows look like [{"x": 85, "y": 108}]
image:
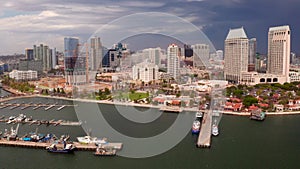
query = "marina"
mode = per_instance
[{"x": 35, "y": 106}]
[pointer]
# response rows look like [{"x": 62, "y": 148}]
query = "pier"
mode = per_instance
[
  {"x": 204, "y": 138},
  {"x": 34, "y": 105},
  {"x": 81, "y": 147}
]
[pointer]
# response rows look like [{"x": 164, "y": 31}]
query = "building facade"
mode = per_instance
[
  {"x": 23, "y": 75},
  {"x": 279, "y": 49},
  {"x": 252, "y": 54},
  {"x": 236, "y": 55},
  {"x": 96, "y": 54},
  {"x": 145, "y": 71},
  {"x": 173, "y": 61},
  {"x": 75, "y": 65},
  {"x": 200, "y": 55},
  {"x": 29, "y": 54}
]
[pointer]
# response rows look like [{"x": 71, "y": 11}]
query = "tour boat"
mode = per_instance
[
  {"x": 91, "y": 140},
  {"x": 103, "y": 151}
]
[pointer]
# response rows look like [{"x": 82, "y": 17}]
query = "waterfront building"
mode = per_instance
[
  {"x": 23, "y": 75},
  {"x": 75, "y": 65},
  {"x": 279, "y": 50},
  {"x": 200, "y": 55},
  {"x": 252, "y": 54},
  {"x": 95, "y": 53},
  {"x": 145, "y": 71},
  {"x": 173, "y": 61},
  {"x": 236, "y": 55}
]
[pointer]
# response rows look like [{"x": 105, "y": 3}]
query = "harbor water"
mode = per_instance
[{"x": 242, "y": 143}]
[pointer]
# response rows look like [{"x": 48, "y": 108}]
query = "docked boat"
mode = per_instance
[
  {"x": 199, "y": 115},
  {"x": 258, "y": 115},
  {"x": 196, "y": 127},
  {"x": 11, "y": 119},
  {"x": 67, "y": 149},
  {"x": 105, "y": 151},
  {"x": 12, "y": 134},
  {"x": 91, "y": 140},
  {"x": 20, "y": 118},
  {"x": 215, "y": 130}
]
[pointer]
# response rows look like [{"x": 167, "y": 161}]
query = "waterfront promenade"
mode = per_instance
[{"x": 138, "y": 105}]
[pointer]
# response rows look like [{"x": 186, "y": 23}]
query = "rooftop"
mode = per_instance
[
  {"x": 236, "y": 33},
  {"x": 277, "y": 28}
]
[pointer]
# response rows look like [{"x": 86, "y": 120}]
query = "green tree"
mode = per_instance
[{"x": 249, "y": 100}]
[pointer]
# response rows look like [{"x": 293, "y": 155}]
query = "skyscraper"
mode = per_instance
[
  {"x": 201, "y": 55},
  {"x": 173, "y": 54},
  {"x": 252, "y": 54},
  {"x": 43, "y": 53},
  {"x": 236, "y": 55},
  {"x": 95, "y": 53},
  {"x": 29, "y": 54},
  {"x": 279, "y": 49},
  {"x": 75, "y": 65}
]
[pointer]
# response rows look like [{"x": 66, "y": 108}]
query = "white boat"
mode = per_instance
[
  {"x": 215, "y": 130},
  {"x": 196, "y": 127},
  {"x": 20, "y": 118},
  {"x": 199, "y": 115},
  {"x": 91, "y": 140}
]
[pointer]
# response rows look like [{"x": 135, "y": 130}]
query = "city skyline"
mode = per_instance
[{"x": 35, "y": 22}]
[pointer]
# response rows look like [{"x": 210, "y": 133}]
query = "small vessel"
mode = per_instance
[
  {"x": 20, "y": 118},
  {"x": 196, "y": 127},
  {"x": 199, "y": 115},
  {"x": 67, "y": 148},
  {"x": 105, "y": 151},
  {"x": 258, "y": 115},
  {"x": 215, "y": 130},
  {"x": 12, "y": 134},
  {"x": 11, "y": 119}
]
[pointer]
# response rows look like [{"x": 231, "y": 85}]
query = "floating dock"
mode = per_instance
[
  {"x": 204, "y": 138},
  {"x": 47, "y": 108},
  {"x": 63, "y": 106},
  {"x": 82, "y": 147}
]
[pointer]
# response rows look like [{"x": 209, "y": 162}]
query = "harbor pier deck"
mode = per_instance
[
  {"x": 81, "y": 147},
  {"x": 204, "y": 138}
]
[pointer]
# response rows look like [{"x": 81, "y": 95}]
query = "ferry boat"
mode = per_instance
[
  {"x": 258, "y": 115},
  {"x": 67, "y": 149},
  {"x": 196, "y": 127}
]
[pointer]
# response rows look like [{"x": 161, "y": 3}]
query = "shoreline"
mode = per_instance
[{"x": 139, "y": 105}]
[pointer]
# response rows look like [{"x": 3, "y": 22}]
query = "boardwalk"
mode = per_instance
[{"x": 204, "y": 138}]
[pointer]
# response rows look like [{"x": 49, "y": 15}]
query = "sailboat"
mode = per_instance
[{"x": 215, "y": 129}]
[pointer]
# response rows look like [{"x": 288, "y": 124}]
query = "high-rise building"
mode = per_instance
[
  {"x": 236, "y": 55},
  {"x": 95, "y": 53},
  {"x": 54, "y": 58},
  {"x": 173, "y": 61},
  {"x": 200, "y": 55},
  {"x": 75, "y": 65},
  {"x": 252, "y": 54},
  {"x": 29, "y": 54},
  {"x": 279, "y": 50},
  {"x": 116, "y": 58},
  {"x": 44, "y": 53},
  {"x": 145, "y": 71}
]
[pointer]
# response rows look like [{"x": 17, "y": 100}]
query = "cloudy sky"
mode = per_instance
[{"x": 27, "y": 22}]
